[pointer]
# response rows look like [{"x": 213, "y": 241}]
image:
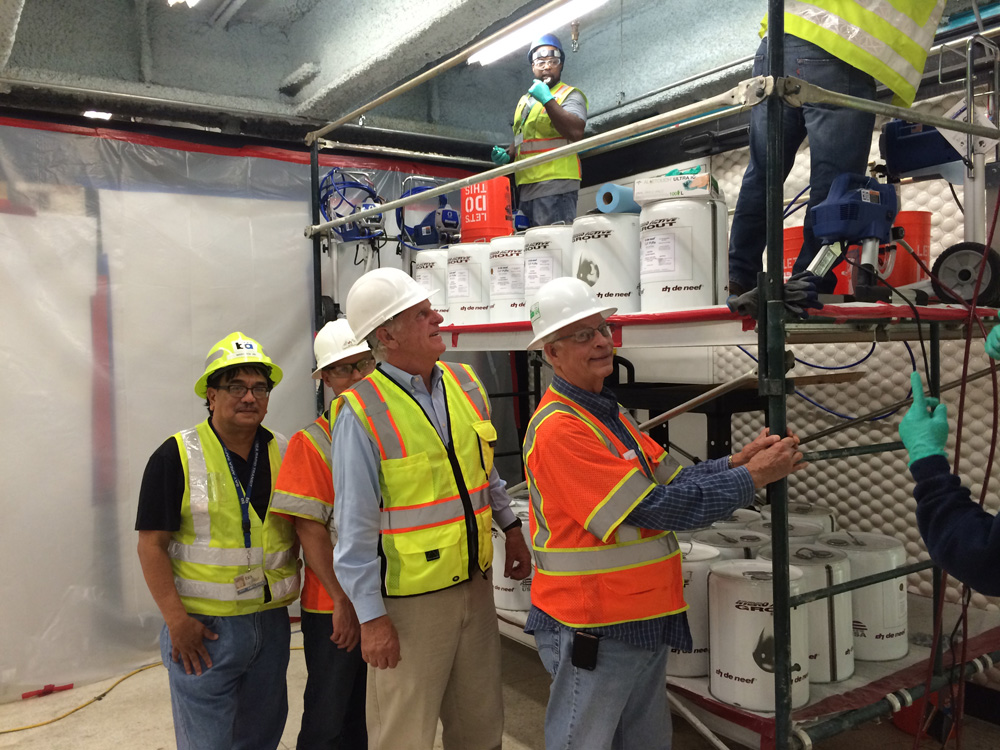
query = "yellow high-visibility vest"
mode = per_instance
[
  {"x": 534, "y": 133},
  {"x": 208, "y": 551},
  {"x": 435, "y": 517}
]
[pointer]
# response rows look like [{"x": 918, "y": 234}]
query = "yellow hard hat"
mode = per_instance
[{"x": 235, "y": 350}]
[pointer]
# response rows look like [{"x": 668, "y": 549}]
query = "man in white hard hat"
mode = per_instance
[
  {"x": 416, "y": 495},
  {"x": 607, "y": 596},
  {"x": 333, "y": 713},
  {"x": 221, "y": 567}
]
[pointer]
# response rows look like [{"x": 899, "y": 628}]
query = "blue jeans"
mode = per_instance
[
  {"x": 241, "y": 702},
  {"x": 333, "y": 717},
  {"x": 550, "y": 209},
  {"x": 622, "y": 704},
  {"x": 839, "y": 141}
]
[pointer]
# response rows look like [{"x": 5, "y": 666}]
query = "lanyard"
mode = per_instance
[{"x": 244, "y": 495}]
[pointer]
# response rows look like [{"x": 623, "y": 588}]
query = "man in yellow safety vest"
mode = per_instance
[
  {"x": 221, "y": 567},
  {"x": 550, "y": 115},
  {"x": 333, "y": 712},
  {"x": 417, "y": 494}
]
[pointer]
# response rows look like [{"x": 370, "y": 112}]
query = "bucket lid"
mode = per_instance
[
  {"x": 602, "y": 221},
  {"x": 732, "y": 538},
  {"x": 752, "y": 571},
  {"x": 859, "y": 541},
  {"x": 561, "y": 231},
  {"x": 510, "y": 242},
  {"x": 795, "y": 528},
  {"x": 695, "y": 552},
  {"x": 802, "y": 509},
  {"x": 807, "y": 554}
]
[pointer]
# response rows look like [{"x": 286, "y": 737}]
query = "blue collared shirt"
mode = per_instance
[
  {"x": 355, "y": 461},
  {"x": 696, "y": 497}
]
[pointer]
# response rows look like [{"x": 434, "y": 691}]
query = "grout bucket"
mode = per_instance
[{"x": 486, "y": 210}]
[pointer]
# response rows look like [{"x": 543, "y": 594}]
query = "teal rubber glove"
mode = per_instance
[
  {"x": 541, "y": 92},
  {"x": 924, "y": 432},
  {"x": 993, "y": 342},
  {"x": 499, "y": 156}
]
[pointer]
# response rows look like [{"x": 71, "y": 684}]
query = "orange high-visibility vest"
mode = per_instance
[
  {"x": 593, "y": 569},
  {"x": 305, "y": 489}
]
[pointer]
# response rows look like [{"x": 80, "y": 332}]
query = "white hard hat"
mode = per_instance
[
  {"x": 378, "y": 295},
  {"x": 334, "y": 342},
  {"x": 560, "y": 302}
]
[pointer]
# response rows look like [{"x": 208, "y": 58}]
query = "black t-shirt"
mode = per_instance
[{"x": 162, "y": 487}]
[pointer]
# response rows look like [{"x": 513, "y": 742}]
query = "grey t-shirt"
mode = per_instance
[{"x": 575, "y": 104}]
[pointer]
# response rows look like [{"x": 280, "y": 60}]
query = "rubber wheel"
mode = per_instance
[
  {"x": 958, "y": 267},
  {"x": 328, "y": 308}
]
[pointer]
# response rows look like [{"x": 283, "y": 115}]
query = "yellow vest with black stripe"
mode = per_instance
[
  {"x": 540, "y": 135},
  {"x": 603, "y": 572},
  {"x": 208, "y": 552},
  {"x": 887, "y": 40},
  {"x": 435, "y": 516}
]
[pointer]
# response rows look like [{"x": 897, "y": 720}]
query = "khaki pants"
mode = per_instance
[{"x": 449, "y": 667}]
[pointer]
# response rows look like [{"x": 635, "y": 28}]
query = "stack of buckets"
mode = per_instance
[{"x": 904, "y": 269}]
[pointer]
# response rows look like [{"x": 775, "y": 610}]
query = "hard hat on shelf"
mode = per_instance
[
  {"x": 560, "y": 302},
  {"x": 546, "y": 40},
  {"x": 378, "y": 295},
  {"x": 334, "y": 342},
  {"x": 235, "y": 350}
]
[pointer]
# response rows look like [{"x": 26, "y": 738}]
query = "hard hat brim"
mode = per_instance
[
  {"x": 327, "y": 361},
  {"x": 539, "y": 341},
  {"x": 201, "y": 387}
]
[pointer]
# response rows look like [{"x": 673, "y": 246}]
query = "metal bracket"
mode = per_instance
[{"x": 752, "y": 91}]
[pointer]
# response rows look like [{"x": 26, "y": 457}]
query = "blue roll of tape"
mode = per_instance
[{"x": 615, "y": 199}]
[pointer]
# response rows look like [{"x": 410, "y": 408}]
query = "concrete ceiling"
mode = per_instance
[{"x": 251, "y": 65}]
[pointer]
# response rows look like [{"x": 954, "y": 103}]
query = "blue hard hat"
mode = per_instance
[{"x": 547, "y": 40}]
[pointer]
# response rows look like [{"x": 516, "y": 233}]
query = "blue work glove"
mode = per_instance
[
  {"x": 993, "y": 342},
  {"x": 541, "y": 92},
  {"x": 499, "y": 156},
  {"x": 924, "y": 429}
]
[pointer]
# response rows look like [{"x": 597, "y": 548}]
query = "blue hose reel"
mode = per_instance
[{"x": 344, "y": 193}]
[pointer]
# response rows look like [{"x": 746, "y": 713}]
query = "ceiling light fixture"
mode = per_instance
[
  {"x": 190, "y": 3},
  {"x": 94, "y": 114},
  {"x": 543, "y": 25}
]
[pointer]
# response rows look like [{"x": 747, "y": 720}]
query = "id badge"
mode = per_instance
[
  {"x": 252, "y": 579},
  {"x": 518, "y": 140}
]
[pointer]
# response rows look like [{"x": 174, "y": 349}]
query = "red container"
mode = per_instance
[
  {"x": 917, "y": 228},
  {"x": 486, "y": 210}
]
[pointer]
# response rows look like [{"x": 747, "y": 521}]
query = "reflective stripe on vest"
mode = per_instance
[
  {"x": 425, "y": 523},
  {"x": 301, "y": 505},
  {"x": 887, "y": 40},
  {"x": 538, "y": 145},
  {"x": 631, "y": 549},
  {"x": 204, "y": 565}
]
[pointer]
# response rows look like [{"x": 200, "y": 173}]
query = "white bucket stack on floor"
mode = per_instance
[
  {"x": 697, "y": 560},
  {"x": 799, "y": 532},
  {"x": 606, "y": 256},
  {"x": 509, "y": 593},
  {"x": 808, "y": 512},
  {"x": 507, "y": 302},
  {"x": 733, "y": 544}
]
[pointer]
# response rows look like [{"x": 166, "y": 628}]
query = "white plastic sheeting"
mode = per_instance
[{"x": 121, "y": 264}]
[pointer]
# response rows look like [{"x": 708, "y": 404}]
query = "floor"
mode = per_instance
[{"x": 136, "y": 714}]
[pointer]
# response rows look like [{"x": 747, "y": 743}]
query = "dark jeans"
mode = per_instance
[
  {"x": 550, "y": 209},
  {"x": 334, "y": 714},
  {"x": 839, "y": 141}
]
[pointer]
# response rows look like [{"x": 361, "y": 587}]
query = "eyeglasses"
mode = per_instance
[
  {"x": 586, "y": 335},
  {"x": 546, "y": 62},
  {"x": 345, "y": 370},
  {"x": 238, "y": 390}
]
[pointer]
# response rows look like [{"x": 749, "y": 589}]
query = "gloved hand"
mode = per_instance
[
  {"x": 993, "y": 342},
  {"x": 923, "y": 432},
  {"x": 541, "y": 92},
  {"x": 800, "y": 295},
  {"x": 499, "y": 156}
]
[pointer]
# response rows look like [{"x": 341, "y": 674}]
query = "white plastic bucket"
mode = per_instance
[
  {"x": 469, "y": 283},
  {"x": 738, "y": 520},
  {"x": 430, "y": 270},
  {"x": 507, "y": 592},
  {"x": 697, "y": 559},
  {"x": 733, "y": 544},
  {"x": 606, "y": 256},
  {"x": 810, "y": 512},
  {"x": 831, "y": 634},
  {"x": 684, "y": 260},
  {"x": 507, "y": 279},
  {"x": 880, "y": 610},
  {"x": 799, "y": 532},
  {"x": 548, "y": 254},
  {"x": 741, "y": 623}
]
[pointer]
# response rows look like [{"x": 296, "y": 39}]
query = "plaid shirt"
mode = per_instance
[{"x": 697, "y": 496}]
